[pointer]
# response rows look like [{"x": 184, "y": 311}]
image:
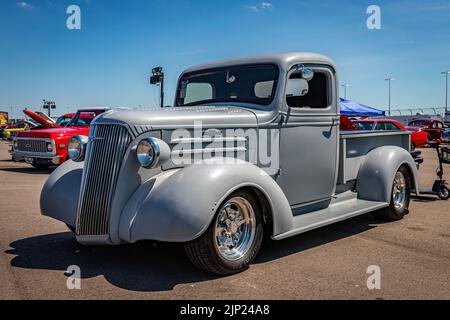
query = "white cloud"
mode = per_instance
[
  {"x": 252, "y": 8},
  {"x": 266, "y": 5},
  {"x": 24, "y": 5},
  {"x": 262, "y": 6}
]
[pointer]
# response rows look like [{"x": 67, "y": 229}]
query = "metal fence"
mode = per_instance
[{"x": 418, "y": 111}]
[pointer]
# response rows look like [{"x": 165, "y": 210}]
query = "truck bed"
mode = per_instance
[{"x": 354, "y": 145}]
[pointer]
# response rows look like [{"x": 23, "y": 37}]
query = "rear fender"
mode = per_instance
[{"x": 376, "y": 174}]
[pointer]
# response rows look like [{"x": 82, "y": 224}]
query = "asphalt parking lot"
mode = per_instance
[{"x": 329, "y": 263}]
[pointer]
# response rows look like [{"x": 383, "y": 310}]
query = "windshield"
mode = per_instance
[
  {"x": 63, "y": 121},
  {"x": 420, "y": 123},
  {"x": 251, "y": 84},
  {"x": 83, "y": 119}
]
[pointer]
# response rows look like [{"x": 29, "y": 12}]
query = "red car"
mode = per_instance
[
  {"x": 433, "y": 128},
  {"x": 418, "y": 138},
  {"x": 47, "y": 147}
]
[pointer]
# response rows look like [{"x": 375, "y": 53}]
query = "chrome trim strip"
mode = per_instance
[
  {"x": 207, "y": 139},
  {"x": 25, "y": 154},
  {"x": 207, "y": 150}
]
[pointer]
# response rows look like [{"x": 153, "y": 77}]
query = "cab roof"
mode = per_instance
[{"x": 283, "y": 60}]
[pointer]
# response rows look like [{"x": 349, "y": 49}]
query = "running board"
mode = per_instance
[{"x": 338, "y": 210}]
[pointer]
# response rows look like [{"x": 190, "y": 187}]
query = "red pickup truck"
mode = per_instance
[{"x": 47, "y": 146}]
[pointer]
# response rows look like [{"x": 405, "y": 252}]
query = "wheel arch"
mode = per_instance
[{"x": 376, "y": 173}]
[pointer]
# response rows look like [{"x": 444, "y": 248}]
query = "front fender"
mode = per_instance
[
  {"x": 376, "y": 174},
  {"x": 179, "y": 205},
  {"x": 59, "y": 196}
]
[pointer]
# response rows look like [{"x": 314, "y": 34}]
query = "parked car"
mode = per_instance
[
  {"x": 11, "y": 131},
  {"x": 447, "y": 119},
  {"x": 48, "y": 147},
  {"x": 446, "y": 136},
  {"x": 433, "y": 128},
  {"x": 347, "y": 124},
  {"x": 252, "y": 146},
  {"x": 418, "y": 138}
]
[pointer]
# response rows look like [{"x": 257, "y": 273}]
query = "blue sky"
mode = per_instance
[{"x": 108, "y": 61}]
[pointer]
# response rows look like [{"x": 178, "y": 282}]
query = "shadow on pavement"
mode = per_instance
[
  {"x": 30, "y": 170},
  {"x": 148, "y": 267},
  {"x": 273, "y": 250},
  {"x": 424, "y": 198}
]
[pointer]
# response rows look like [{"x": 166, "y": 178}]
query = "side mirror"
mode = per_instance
[
  {"x": 297, "y": 88},
  {"x": 307, "y": 74}
]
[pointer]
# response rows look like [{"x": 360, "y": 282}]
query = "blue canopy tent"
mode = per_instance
[{"x": 354, "y": 109}]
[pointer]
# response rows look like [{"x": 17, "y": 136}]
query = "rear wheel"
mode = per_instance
[
  {"x": 233, "y": 239},
  {"x": 400, "y": 196}
]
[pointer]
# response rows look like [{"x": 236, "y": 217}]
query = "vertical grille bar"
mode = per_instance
[{"x": 106, "y": 150}]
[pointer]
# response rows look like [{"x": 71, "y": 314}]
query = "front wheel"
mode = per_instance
[
  {"x": 444, "y": 193},
  {"x": 400, "y": 196},
  {"x": 233, "y": 239}
]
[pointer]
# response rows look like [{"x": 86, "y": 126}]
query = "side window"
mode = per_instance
[
  {"x": 381, "y": 126},
  {"x": 198, "y": 92},
  {"x": 392, "y": 126},
  {"x": 439, "y": 125},
  {"x": 317, "y": 97},
  {"x": 264, "y": 89},
  {"x": 434, "y": 125}
]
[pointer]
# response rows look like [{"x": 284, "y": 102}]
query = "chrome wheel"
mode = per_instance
[
  {"x": 399, "y": 191},
  {"x": 235, "y": 228}
]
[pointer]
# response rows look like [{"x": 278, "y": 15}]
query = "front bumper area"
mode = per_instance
[{"x": 36, "y": 158}]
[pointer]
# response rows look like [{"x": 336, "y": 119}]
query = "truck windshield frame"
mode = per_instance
[
  {"x": 236, "y": 83},
  {"x": 87, "y": 121}
]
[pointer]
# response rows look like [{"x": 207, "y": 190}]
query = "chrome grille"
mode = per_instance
[
  {"x": 106, "y": 150},
  {"x": 30, "y": 145}
]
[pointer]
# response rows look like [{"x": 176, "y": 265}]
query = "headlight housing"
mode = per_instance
[
  {"x": 15, "y": 144},
  {"x": 76, "y": 148},
  {"x": 148, "y": 153},
  {"x": 49, "y": 147}
]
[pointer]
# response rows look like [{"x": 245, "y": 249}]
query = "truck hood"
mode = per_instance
[
  {"x": 182, "y": 117},
  {"x": 45, "y": 122},
  {"x": 54, "y": 133}
]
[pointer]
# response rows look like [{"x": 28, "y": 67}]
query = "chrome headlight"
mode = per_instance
[
  {"x": 77, "y": 148},
  {"x": 15, "y": 144},
  {"x": 148, "y": 153},
  {"x": 49, "y": 147}
]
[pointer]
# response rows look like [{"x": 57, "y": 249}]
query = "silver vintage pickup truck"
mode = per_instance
[{"x": 251, "y": 147}]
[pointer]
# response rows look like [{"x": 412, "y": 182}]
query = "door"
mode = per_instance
[{"x": 309, "y": 141}]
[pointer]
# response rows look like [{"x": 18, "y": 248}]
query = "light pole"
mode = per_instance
[
  {"x": 48, "y": 105},
  {"x": 446, "y": 89},
  {"x": 158, "y": 78},
  {"x": 390, "y": 79},
  {"x": 345, "y": 86}
]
